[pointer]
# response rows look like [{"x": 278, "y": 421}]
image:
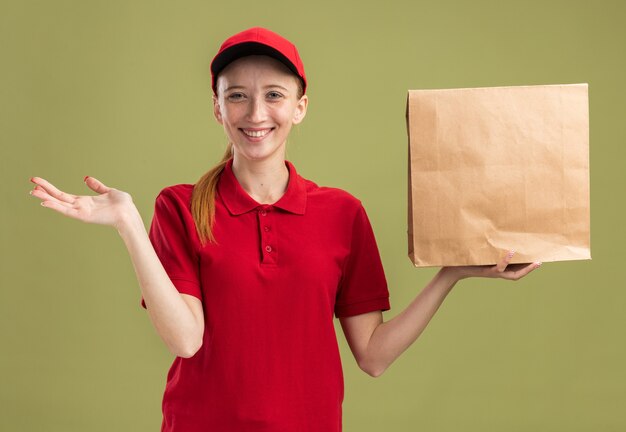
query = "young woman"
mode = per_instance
[{"x": 242, "y": 272}]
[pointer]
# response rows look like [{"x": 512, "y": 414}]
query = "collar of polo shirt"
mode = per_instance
[{"x": 238, "y": 201}]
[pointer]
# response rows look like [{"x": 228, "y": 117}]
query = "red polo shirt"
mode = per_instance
[{"x": 269, "y": 288}]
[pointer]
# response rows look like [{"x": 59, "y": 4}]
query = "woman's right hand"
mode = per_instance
[{"x": 110, "y": 207}]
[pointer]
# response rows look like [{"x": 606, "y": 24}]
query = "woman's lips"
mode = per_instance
[{"x": 256, "y": 134}]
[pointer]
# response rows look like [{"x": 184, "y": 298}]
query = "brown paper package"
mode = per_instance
[{"x": 498, "y": 168}]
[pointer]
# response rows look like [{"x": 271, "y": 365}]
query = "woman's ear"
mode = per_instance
[
  {"x": 217, "y": 111},
  {"x": 301, "y": 109}
]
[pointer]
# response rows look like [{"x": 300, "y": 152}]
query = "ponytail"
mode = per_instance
[{"x": 203, "y": 199}]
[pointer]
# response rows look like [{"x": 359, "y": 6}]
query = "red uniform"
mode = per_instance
[{"x": 269, "y": 288}]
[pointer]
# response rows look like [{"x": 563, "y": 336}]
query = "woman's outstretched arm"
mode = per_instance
[
  {"x": 177, "y": 318},
  {"x": 376, "y": 344}
]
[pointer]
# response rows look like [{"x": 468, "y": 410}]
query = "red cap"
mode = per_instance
[{"x": 257, "y": 41}]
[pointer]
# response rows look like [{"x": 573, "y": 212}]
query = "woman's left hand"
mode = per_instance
[{"x": 502, "y": 270}]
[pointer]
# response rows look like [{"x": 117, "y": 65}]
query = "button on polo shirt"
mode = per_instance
[
  {"x": 266, "y": 218},
  {"x": 269, "y": 288}
]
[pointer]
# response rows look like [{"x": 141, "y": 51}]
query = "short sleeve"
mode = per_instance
[
  {"x": 363, "y": 286},
  {"x": 171, "y": 238}
]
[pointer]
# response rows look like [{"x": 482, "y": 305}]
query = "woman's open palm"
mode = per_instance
[{"x": 107, "y": 208}]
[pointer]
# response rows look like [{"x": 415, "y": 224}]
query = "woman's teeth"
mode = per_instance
[{"x": 256, "y": 134}]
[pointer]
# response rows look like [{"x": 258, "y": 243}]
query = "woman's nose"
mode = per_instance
[{"x": 256, "y": 110}]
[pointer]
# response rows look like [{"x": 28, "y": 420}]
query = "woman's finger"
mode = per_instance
[
  {"x": 502, "y": 265},
  {"x": 41, "y": 193},
  {"x": 61, "y": 207},
  {"x": 96, "y": 185},
  {"x": 521, "y": 272},
  {"x": 53, "y": 191},
  {"x": 524, "y": 271}
]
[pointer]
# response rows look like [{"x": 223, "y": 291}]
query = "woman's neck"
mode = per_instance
[{"x": 265, "y": 181}]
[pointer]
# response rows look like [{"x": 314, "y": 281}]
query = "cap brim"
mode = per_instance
[{"x": 245, "y": 49}]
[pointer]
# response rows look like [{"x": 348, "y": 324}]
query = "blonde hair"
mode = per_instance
[
  {"x": 203, "y": 199},
  {"x": 205, "y": 189}
]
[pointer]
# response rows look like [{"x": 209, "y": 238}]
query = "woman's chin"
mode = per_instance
[{"x": 260, "y": 154}]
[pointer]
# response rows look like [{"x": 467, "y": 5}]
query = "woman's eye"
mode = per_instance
[
  {"x": 235, "y": 96},
  {"x": 274, "y": 95}
]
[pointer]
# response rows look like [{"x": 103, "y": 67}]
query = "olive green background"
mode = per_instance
[{"x": 119, "y": 90}]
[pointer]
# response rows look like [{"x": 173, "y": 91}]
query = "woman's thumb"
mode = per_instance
[{"x": 95, "y": 185}]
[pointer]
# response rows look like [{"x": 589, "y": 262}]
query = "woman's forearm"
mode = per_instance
[
  {"x": 391, "y": 338},
  {"x": 172, "y": 318}
]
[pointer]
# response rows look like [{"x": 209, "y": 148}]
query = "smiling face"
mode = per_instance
[{"x": 258, "y": 102}]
